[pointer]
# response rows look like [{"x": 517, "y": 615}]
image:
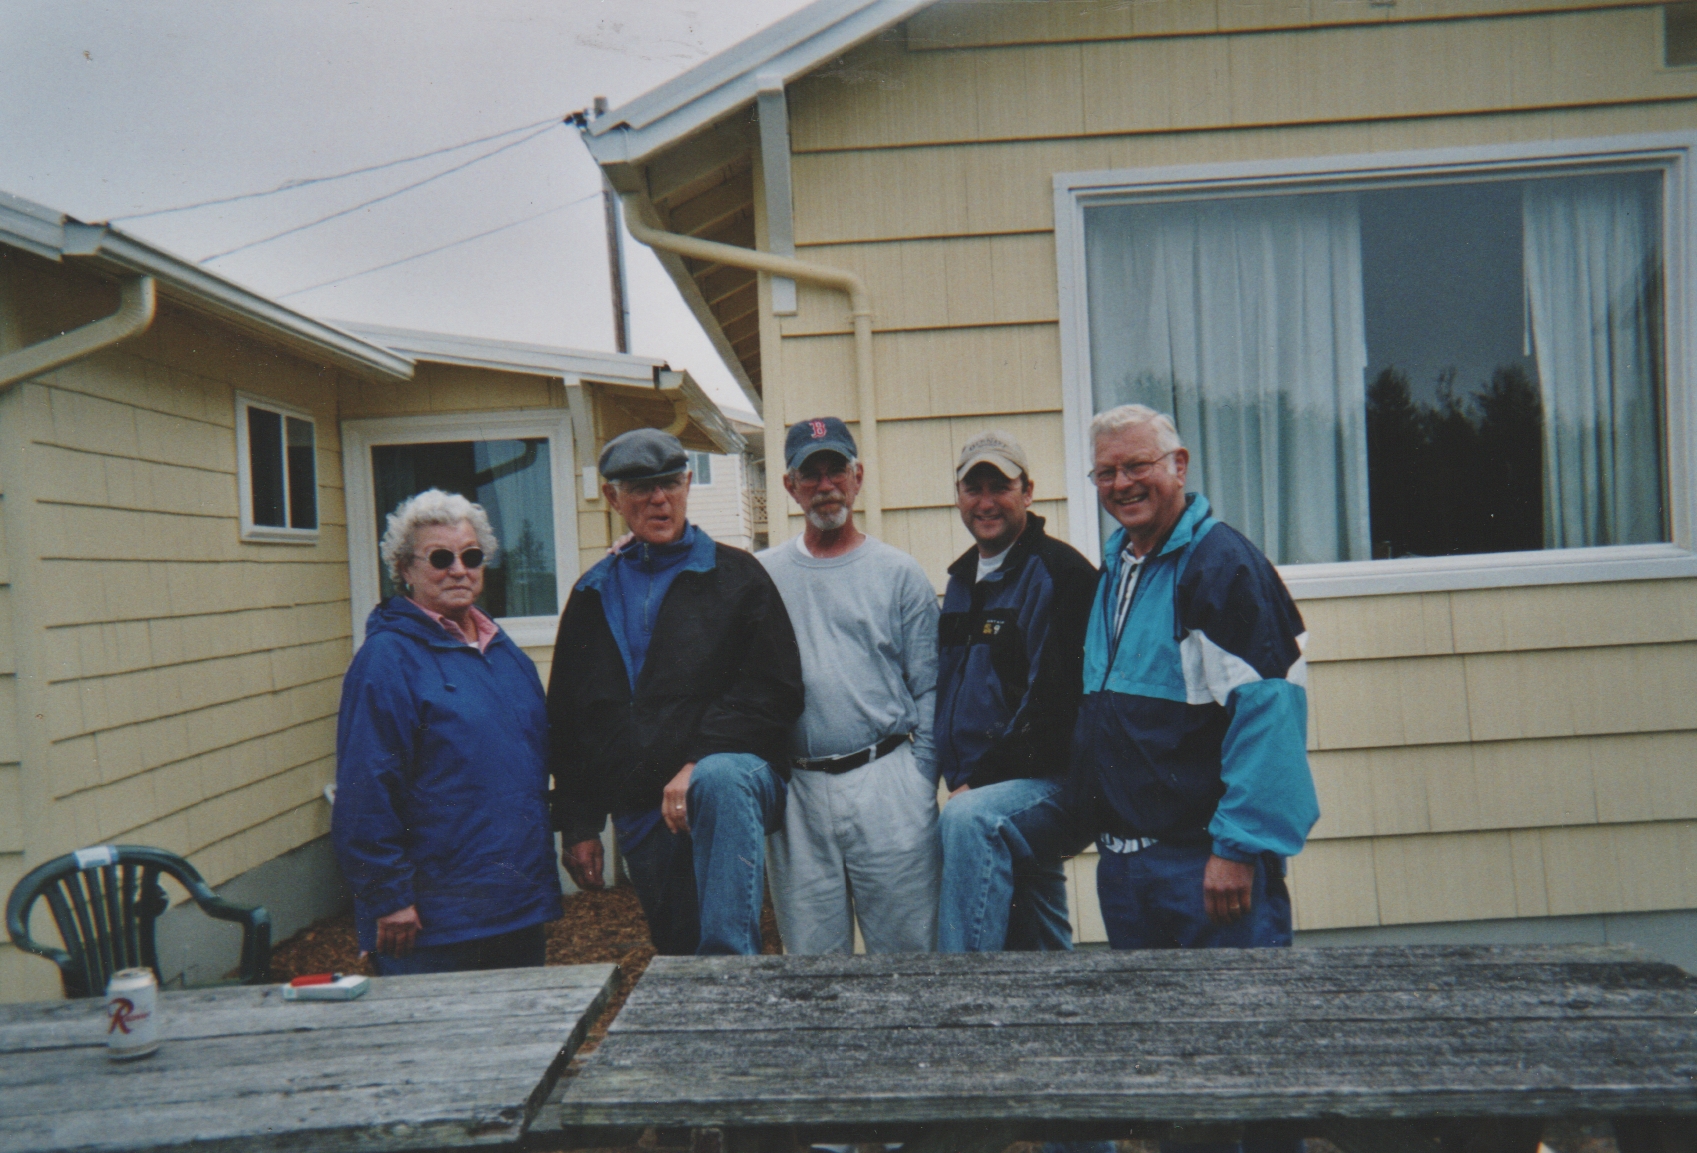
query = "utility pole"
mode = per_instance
[{"x": 615, "y": 254}]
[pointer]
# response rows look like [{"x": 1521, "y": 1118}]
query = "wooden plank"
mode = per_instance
[
  {"x": 947, "y": 283},
  {"x": 419, "y": 1062},
  {"x": 1205, "y": 1036},
  {"x": 996, "y": 23},
  {"x": 1016, "y": 368},
  {"x": 1105, "y": 87},
  {"x": 991, "y": 188}
]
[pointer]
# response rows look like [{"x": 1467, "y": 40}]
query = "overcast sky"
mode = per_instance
[{"x": 121, "y": 108}]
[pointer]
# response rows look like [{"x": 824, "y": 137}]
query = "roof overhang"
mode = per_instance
[
  {"x": 789, "y": 49},
  {"x": 57, "y": 237},
  {"x": 658, "y": 392}
]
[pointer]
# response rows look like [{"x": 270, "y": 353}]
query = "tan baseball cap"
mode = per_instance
[{"x": 993, "y": 448}]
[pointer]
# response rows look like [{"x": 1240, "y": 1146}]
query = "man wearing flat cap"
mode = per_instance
[
  {"x": 1010, "y": 671},
  {"x": 675, "y": 682},
  {"x": 859, "y": 839}
]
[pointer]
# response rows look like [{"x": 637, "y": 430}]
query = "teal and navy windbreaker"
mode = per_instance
[{"x": 1194, "y": 726}]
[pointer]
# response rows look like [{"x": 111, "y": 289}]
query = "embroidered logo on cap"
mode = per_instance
[{"x": 818, "y": 427}]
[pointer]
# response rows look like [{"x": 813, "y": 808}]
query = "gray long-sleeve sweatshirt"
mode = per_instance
[{"x": 866, "y": 622}]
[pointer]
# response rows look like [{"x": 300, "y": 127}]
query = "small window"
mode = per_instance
[
  {"x": 1679, "y": 35},
  {"x": 277, "y": 466},
  {"x": 701, "y": 464}
]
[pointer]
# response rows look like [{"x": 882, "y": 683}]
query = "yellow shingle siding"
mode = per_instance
[
  {"x": 184, "y": 683},
  {"x": 1492, "y": 753}
]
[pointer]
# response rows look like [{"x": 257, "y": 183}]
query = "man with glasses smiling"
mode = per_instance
[
  {"x": 1190, "y": 751},
  {"x": 674, "y": 684},
  {"x": 859, "y": 840}
]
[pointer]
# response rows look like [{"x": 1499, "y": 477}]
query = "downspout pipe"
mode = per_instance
[
  {"x": 136, "y": 306},
  {"x": 860, "y": 310}
]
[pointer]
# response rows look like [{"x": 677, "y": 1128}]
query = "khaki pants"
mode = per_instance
[{"x": 858, "y": 844}]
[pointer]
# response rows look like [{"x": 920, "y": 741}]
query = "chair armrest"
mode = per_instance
[{"x": 256, "y": 936}]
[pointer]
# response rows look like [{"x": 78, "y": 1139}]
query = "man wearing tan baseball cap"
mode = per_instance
[{"x": 1011, "y": 644}]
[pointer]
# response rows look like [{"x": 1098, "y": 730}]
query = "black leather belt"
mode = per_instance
[{"x": 853, "y": 760}]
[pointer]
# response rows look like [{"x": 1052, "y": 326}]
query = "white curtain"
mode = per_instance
[
  {"x": 1244, "y": 320},
  {"x": 1593, "y": 277}
]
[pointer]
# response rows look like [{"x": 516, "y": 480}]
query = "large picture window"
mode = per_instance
[
  {"x": 517, "y": 467},
  {"x": 1408, "y": 367}
]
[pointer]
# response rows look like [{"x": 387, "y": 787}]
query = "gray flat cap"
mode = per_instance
[{"x": 642, "y": 454}]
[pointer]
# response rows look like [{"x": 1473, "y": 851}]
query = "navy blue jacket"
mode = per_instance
[
  {"x": 1194, "y": 725},
  {"x": 442, "y": 782},
  {"x": 1009, "y": 661}
]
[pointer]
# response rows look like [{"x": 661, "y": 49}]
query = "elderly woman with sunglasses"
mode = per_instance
[{"x": 441, "y": 819}]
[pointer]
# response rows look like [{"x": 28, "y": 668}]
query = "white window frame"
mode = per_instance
[
  {"x": 1672, "y": 152},
  {"x": 695, "y": 479},
  {"x": 360, "y": 436},
  {"x": 270, "y": 533}
]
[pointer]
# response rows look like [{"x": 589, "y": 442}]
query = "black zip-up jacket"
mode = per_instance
[
  {"x": 722, "y": 675},
  {"x": 1010, "y": 661}
]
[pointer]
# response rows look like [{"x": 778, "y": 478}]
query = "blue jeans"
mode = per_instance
[
  {"x": 735, "y": 801},
  {"x": 1003, "y": 884},
  {"x": 1153, "y": 900},
  {"x": 520, "y": 949},
  {"x": 701, "y": 891}
]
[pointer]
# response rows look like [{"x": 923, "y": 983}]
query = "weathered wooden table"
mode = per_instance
[
  {"x": 1378, "y": 1049},
  {"x": 462, "y": 1059}
]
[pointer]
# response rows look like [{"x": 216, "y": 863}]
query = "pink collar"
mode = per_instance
[{"x": 484, "y": 626}]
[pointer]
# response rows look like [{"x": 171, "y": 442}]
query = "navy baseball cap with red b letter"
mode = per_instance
[{"x": 822, "y": 434}]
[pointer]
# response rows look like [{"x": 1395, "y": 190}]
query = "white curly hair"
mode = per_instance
[
  {"x": 1112, "y": 420},
  {"x": 432, "y": 506}
]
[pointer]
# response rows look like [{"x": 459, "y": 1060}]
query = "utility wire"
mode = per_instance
[
  {"x": 376, "y": 199},
  {"x": 438, "y": 248},
  {"x": 290, "y": 185}
]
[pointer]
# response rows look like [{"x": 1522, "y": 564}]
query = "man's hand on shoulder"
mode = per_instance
[
  {"x": 585, "y": 863},
  {"x": 1227, "y": 887},
  {"x": 674, "y": 802}
]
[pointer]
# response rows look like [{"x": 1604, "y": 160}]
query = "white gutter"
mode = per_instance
[
  {"x": 207, "y": 292},
  {"x": 136, "y": 306},
  {"x": 860, "y": 308}
]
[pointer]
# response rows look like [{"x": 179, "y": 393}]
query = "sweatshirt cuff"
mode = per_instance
[
  {"x": 390, "y": 897},
  {"x": 1232, "y": 852}
]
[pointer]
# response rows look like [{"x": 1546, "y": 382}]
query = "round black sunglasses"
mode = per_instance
[{"x": 441, "y": 558}]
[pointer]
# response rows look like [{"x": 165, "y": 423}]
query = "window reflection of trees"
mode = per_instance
[{"x": 1460, "y": 474}]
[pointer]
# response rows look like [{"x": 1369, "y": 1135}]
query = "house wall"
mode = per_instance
[
  {"x": 175, "y": 686},
  {"x": 1488, "y": 754},
  {"x": 722, "y": 507}
]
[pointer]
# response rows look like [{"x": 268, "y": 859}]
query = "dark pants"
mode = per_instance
[
  {"x": 662, "y": 870},
  {"x": 701, "y": 894},
  {"x": 519, "y": 949},
  {"x": 1153, "y": 900}
]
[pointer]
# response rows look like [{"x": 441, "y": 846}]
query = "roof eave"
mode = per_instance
[
  {"x": 789, "y": 49},
  {"x": 194, "y": 286}
]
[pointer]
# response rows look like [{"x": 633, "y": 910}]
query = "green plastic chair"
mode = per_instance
[{"x": 106, "y": 900}]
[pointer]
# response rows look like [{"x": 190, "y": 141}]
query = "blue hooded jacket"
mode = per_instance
[
  {"x": 442, "y": 782},
  {"x": 1194, "y": 725}
]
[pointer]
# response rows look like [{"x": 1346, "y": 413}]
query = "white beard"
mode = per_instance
[{"x": 828, "y": 521}]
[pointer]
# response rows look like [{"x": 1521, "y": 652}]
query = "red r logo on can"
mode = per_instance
[{"x": 120, "y": 1010}]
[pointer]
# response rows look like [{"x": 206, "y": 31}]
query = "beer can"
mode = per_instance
[{"x": 132, "y": 1014}]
